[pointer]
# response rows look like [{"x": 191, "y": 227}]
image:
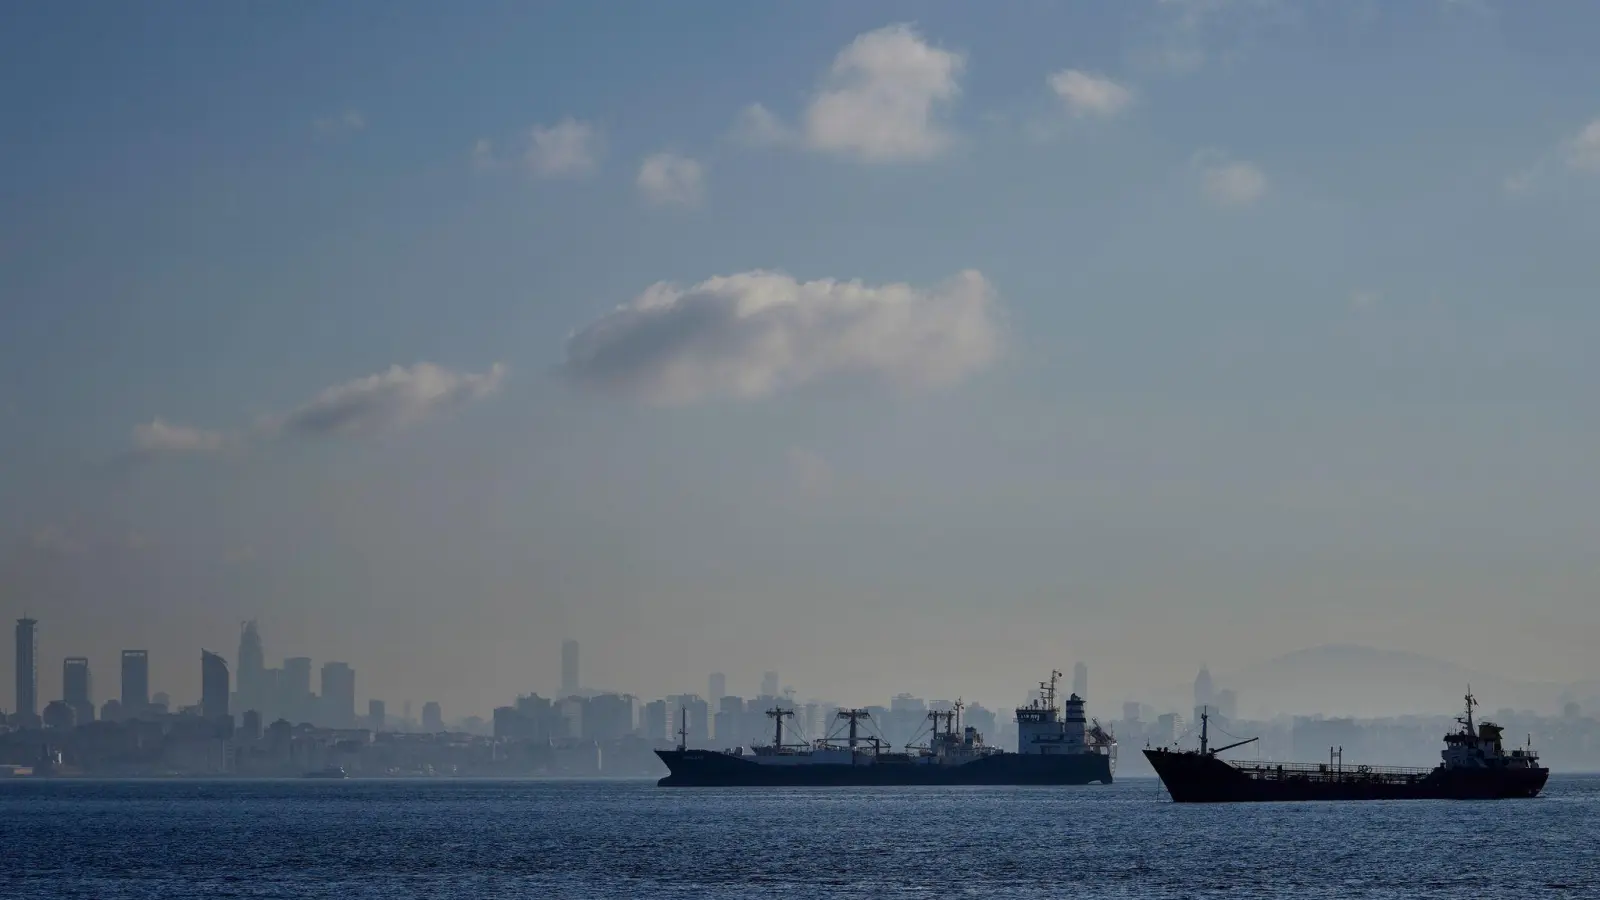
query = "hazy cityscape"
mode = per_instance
[{"x": 256, "y": 720}]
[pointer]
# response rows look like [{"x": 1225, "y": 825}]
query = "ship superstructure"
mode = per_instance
[
  {"x": 1474, "y": 765},
  {"x": 1055, "y": 745}
]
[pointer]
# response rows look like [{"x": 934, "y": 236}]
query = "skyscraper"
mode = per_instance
[
  {"x": 77, "y": 688},
  {"x": 1203, "y": 693},
  {"x": 1080, "y": 680},
  {"x": 252, "y": 668},
  {"x": 213, "y": 685},
  {"x": 375, "y": 715},
  {"x": 338, "y": 695},
  {"x": 769, "y": 684},
  {"x": 717, "y": 689},
  {"x": 28, "y": 670},
  {"x": 569, "y": 667},
  {"x": 294, "y": 686},
  {"x": 135, "y": 682},
  {"x": 432, "y": 718}
]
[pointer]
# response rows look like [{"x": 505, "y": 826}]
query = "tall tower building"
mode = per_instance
[
  {"x": 294, "y": 686},
  {"x": 338, "y": 695},
  {"x": 569, "y": 668},
  {"x": 213, "y": 685},
  {"x": 375, "y": 715},
  {"x": 717, "y": 689},
  {"x": 1204, "y": 694},
  {"x": 769, "y": 684},
  {"x": 432, "y": 718},
  {"x": 1080, "y": 680},
  {"x": 135, "y": 682},
  {"x": 28, "y": 669},
  {"x": 251, "y": 676},
  {"x": 77, "y": 688}
]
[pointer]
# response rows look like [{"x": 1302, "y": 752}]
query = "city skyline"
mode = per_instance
[{"x": 287, "y": 692}]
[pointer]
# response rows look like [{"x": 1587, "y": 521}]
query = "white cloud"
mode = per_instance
[
  {"x": 567, "y": 149},
  {"x": 483, "y": 157},
  {"x": 757, "y": 333},
  {"x": 157, "y": 437},
  {"x": 880, "y": 99},
  {"x": 348, "y": 122},
  {"x": 1087, "y": 94},
  {"x": 1580, "y": 153},
  {"x": 394, "y": 398},
  {"x": 1583, "y": 151},
  {"x": 1231, "y": 184},
  {"x": 669, "y": 179},
  {"x": 758, "y": 127}
]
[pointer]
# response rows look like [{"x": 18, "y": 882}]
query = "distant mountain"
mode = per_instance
[{"x": 1352, "y": 680}]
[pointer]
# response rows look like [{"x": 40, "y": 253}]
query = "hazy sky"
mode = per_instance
[{"x": 892, "y": 346}]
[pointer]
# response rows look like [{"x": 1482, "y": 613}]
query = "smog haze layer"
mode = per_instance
[{"x": 892, "y": 347}]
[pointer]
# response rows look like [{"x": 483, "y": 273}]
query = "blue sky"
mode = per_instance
[{"x": 1279, "y": 333}]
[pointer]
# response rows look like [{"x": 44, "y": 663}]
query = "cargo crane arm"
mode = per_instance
[{"x": 1233, "y": 745}]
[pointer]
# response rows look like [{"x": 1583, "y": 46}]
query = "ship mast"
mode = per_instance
[
  {"x": 855, "y": 716},
  {"x": 777, "y": 714},
  {"x": 683, "y": 728}
]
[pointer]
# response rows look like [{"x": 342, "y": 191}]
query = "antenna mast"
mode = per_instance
[{"x": 776, "y": 714}]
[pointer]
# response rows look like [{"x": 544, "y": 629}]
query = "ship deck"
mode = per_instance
[{"x": 1266, "y": 770}]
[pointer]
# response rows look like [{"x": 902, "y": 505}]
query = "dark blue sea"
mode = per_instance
[{"x": 472, "y": 839}]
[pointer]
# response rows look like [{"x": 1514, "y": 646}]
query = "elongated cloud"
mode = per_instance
[
  {"x": 398, "y": 397},
  {"x": 756, "y": 333},
  {"x": 394, "y": 398},
  {"x": 158, "y": 437},
  {"x": 1088, "y": 94}
]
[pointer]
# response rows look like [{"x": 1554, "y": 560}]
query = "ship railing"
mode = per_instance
[{"x": 1269, "y": 768}]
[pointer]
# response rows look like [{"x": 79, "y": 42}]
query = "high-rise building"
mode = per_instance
[
  {"x": 1080, "y": 680},
  {"x": 135, "y": 682},
  {"x": 655, "y": 720},
  {"x": 1130, "y": 710},
  {"x": 338, "y": 695},
  {"x": 294, "y": 688},
  {"x": 375, "y": 715},
  {"x": 28, "y": 670},
  {"x": 213, "y": 685},
  {"x": 1227, "y": 703},
  {"x": 77, "y": 688},
  {"x": 569, "y": 667},
  {"x": 717, "y": 688},
  {"x": 432, "y": 718},
  {"x": 252, "y": 668},
  {"x": 1204, "y": 694},
  {"x": 769, "y": 684}
]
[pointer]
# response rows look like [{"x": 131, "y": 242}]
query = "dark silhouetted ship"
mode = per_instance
[
  {"x": 1475, "y": 766},
  {"x": 1056, "y": 745}
]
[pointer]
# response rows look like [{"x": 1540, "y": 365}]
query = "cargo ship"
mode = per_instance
[
  {"x": 1056, "y": 745},
  {"x": 1475, "y": 765}
]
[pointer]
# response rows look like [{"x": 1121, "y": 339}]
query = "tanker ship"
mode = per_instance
[
  {"x": 1475, "y": 765},
  {"x": 1056, "y": 745}
]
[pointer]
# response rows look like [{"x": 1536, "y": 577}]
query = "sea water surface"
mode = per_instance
[{"x": 110, "y": 840}]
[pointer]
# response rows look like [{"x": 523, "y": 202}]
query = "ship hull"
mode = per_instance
[
  {"x": 706, "y": 768},
  {"x": 1199, "y": 778}
]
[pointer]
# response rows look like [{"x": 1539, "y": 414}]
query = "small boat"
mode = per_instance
[{"x": 329, "y": 772}]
